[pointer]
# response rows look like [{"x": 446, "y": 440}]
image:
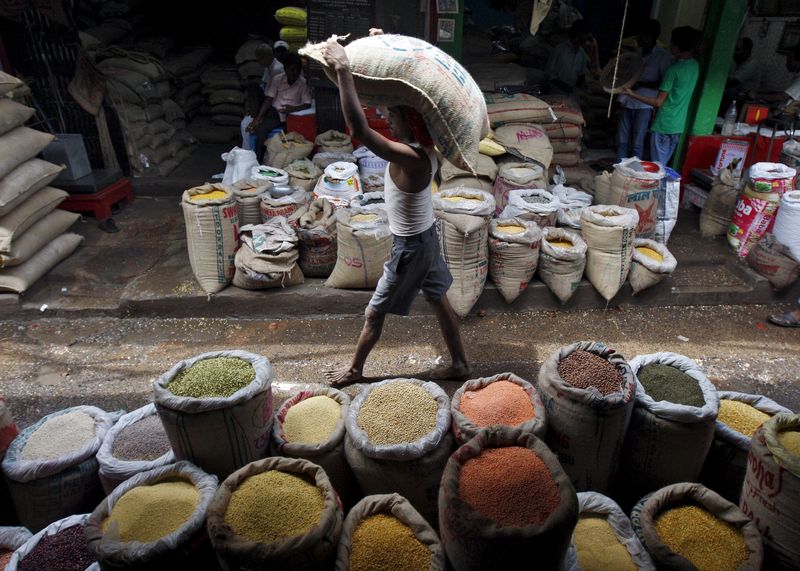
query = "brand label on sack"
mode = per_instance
[{"x": 752, "y": 219}]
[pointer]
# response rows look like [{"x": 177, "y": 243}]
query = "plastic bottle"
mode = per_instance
[{"x": 729, "y": 124}]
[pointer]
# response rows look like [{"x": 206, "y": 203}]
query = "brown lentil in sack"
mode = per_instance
[
  {"x": 168, "y": 521},
  {"x": 497, "y": 470},
  {"x": 278, "y": 514},
  {"x": 212, "y": 234},
  {"x": 686, "y": 527},
  {"x": 739, "y": 417},
  {"x": 589, "y": 400},
  {"x": 19, "y": 145},
  {"x": 403, "y": 540},
  {"x": 316, "y": 229},
  {"x": 218, "y": 433},
  {"x": 771, "y": 492},
  {"x": 562, "y": 259},
  {"x": 609, "y": 232},
  {"x": 500, "y": 400},
  {"x": 667, "y": 442},
  {"x": 51, "y": 469},
  {"x": 513, "y": 255},
  {"x": 398, "y": 440},
  {"x": 363, "y": 246},
  {"x": 11, "y": 539},
  {"x": 311, "y": 429},
  {"x": 47, "y": 550}
]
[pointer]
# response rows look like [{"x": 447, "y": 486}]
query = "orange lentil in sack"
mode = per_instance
[{"x": 501, "y": 402}]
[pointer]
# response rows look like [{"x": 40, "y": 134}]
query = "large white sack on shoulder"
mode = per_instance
[
  {"x": 609, "y": 232},
  {"x": 464, "y": 201},
  {"x": 787, "y": 223},
  {"x": 397, "y": 70},
  {"x": 239, "y": 164},
  {"x": 646, "y": 271}
]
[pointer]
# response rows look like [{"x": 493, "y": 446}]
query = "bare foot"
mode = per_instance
[
  {"x": 343, "y": 377},
  {"x": 452, "y": 373}
]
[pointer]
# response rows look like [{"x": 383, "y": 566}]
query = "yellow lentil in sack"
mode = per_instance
[
  {"x": 598, "y": 547},
  {"x": 312, "y": 420},
  {"x": 364, "y": 217},
  {"x": 511, "y": 229},
  {"x": 213, "y": 195},
  {"x": 560, "y": 243},
  {"x": 741, "y": 417},
  {"x": 384, "y": 543},
  {"x": 460, "y": 198},
  {"x": 790, "y": 439},
  {"x": 650, "y": 253}
]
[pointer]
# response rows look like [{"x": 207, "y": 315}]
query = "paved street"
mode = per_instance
[{"x": 49, "y": 364}]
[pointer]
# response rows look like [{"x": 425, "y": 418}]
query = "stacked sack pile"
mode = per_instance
[
  {"x": 638, "y": 465},
  {"x": 246, "y": 59},
  {"x": 33, "y": 236},
  {"x": 185, "y": 66},
  {"x": 224, "y": 95},
  {"x": 294, "y": 31}
]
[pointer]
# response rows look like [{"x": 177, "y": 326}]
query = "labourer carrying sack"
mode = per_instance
[{"x": 416, "y": 262}]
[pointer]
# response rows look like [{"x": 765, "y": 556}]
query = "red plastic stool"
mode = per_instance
[
  {"x": 100, "y": 203},
  {"x": 306, "y": 125}
]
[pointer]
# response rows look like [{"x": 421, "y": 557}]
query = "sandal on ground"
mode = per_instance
[{"x": 785, "y": 320}]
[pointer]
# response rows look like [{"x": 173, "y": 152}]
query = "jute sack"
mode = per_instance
[
  {"x": 562, "y": 130},
  {"x": 465, "y": 249},
  {"x": 212, "y": 236},
  {"x": 20, "y": 145},
  {"x": 13, "y": 114},
  {"x": 534, "y": 204},
  {"x": 8, "y": 83},
  {"x": 486, "y": 168},
  {"x": 303, "y": 174},
  {"x": 609, "y": 232},
  {"x": 468, "y": 183},
  {"x": 248, "y": 194},
  {"x": 473, "y": 541},
  {"x": 283, "y": 148},
  {"x": 219, "y": 434},
  {"x": 774, "y": 261},
  {"x": 314, "y": 549},
  {"x": 527, "y": 142},
  {"x": 364, "y": 244},
  {"x": 114, "y": 471},
  {"x": 333, "y": 141},
  {"x": 513, "y": 176},
  {"x": 571, "y": 205},
  {"x": 632, "y": 186},
  {"x": 516, "y": 108},
  {"x": 677, "y": 495},
  {"x": 186, "y": 547},
  {"x": 464, "y": 429},
  {"x": 324, "y": 160},
  {"x": 771, "y": 492},
  {"x": 19, "y": 278},
  {"x": 720, "y": 204},
  {"x": 284, "y": 206},
  {"x": 513, "y": 254},
  {"x": 316, "y": 229},
  {"x": 12, "y": 538},
  {"x": 726, "y": 463},
  {"x": 566, "y": 108},
  {"x": 585, "y": 428},
  {"x": 329, "y": 454},
  {"x": 592, "y": 505},
  {"x": 23, "y": 181},
  {"x": 32, "y": 541},
  {"x": 561, "y": 268},
  {"x": 566, "y": 158},
  {"x": 647, "y": 272},
  {"x": 24, "y": 247},
  {"x": 282, "y": 271},
  {"x": 411, "y": 469},
  {"x": 464, "y": 201},
  {"x": 666, "y": 442},
  {"x": 391, "y": 505},
  {"x": 46, "y": 490},
  {"x": 396, "y": 70},
  {"x": 564, "y": 146}
]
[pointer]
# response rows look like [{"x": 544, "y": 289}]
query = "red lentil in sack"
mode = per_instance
[
  {"x": 588, "y": 392},
  {"x": 500, "y": 400},
  {"x": 488, "y": 517}
]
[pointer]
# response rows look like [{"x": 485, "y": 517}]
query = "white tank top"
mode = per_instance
[{"x": 409, "y": 212}]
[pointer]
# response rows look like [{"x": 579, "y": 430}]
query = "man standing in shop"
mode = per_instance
[{"x": 569, "y": 61}]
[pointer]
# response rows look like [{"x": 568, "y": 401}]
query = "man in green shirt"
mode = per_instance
[{"x": 674, "y": 95}]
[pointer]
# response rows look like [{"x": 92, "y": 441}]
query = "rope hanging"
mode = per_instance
[{"x": 616, "y": 61}]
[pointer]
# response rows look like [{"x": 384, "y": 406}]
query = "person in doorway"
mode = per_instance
[
  {"x": 257, "y": 91},
  {"x": 416, "y": 262},
  {"x": 571, "y": 59},
  {"x": 788, "y": 319},
  {"x": 746, "y": 75},
  {"x": 792, "y": 91},
  {"x": 288, "y": 93},
  {"x": 636, "y": 115},
  {"x": 674, "y": 95}
]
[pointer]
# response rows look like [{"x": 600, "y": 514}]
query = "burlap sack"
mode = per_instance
[
  {"x": 186, "y": 546},
  {"x": 631, "y": 186},
  {"x": 565, "y": 147},
  {"x": 534, "y": 204},
  {"x": 472, "y": 541},
  {"x": 362, "y": 249},
  {"x": 565, "y": 108},
  {"x": 726, "y": 463},
  {"x": 412, "y": 469},
  {"x": 316, "y": 229},
  {"x": 562, "y": 130},
  {"x": 399, "y": 507},
  {"x": 644, "y": 524},
  {"x": 513, "y": 176},
  {"x": 314, "y": 549},
  {"x": 464, "y": 429},
  {"x": 486, "y": 168},
  {"x": 31, "y": 543},
  {"x": 19, "y": 278},
  {"x": 46, "y": 490},
  {"x": 284, "y": 206},
  {"x": 8, "y": 83},
  {"x": 561, "y": 269},
  {"x": 571, "y": 204},
  {"x": 465, "y": 249},
  {"x": 513, "y": 257},
  {"x": 303, "y": 174},
  {"x": 333, "y": 141},
  {"x": 12, "y": 115},
  {"x": 609, "y": 232},
  {"x": 771, "y": 493},
  {"x": 23, "y": 181},
  {"x": 47, "y": 229},
  {"x": 329, "y": 454},
  {"x": 20, "y": 145},
  {"x": 464, "y": 201},
  {"x": 400, "y": 70},
  {"x": 516, "y": 108},
  {"x": 212, "y": 236},
  {"x": 248, "y": 194},
  {"x": 666, "y": 442},
  {"x": 324, "y": 160},
  {"x": 288, "y": 275},
  {"x": 526, "y": 141},
  {"x": 647, "y": 272},
  {"x": 774, "y": 261},
  {"x": 585, "y": 428},
  {"x": 468, "y": 183},
  {"x": 283, "y": 148},
  {"x": 219, "y": 434}
]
